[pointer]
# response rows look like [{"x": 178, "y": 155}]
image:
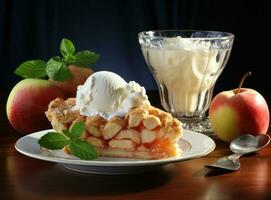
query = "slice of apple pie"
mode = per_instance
[{"x": 147, "y": 133}]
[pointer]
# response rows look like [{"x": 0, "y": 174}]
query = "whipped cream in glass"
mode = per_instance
[{"x": 186, "y": 65}]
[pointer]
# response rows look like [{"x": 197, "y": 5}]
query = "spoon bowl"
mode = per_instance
[
  {"x": 240, "y": 146},
  {"x": 245, "y": 144}
]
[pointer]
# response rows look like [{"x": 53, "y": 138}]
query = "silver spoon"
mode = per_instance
[{"x": 244, "y": 144}]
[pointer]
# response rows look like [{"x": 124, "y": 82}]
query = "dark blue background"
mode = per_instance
[{"x": 33, "y": 29}]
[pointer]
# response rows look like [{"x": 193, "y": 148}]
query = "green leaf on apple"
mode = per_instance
[
  {"x": 57, "y": 70},
  {"x": 82, "y": 150},
  {"x": 86, "y": 58},
  {"x": 70, "y": 59},
  {"x": 57, "y": 67},
  {"x": 66, "y": 48},
  {"x": 53, "y": 140},
  {"x": 32, "y": 69}
]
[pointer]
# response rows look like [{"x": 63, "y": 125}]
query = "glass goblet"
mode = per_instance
[{"x": 186, "y": 65}]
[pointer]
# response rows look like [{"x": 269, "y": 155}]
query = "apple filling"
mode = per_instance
[{"x": 142, "y": 133}]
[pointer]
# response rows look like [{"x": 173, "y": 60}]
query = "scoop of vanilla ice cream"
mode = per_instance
[{"x": 108, "y": 95}]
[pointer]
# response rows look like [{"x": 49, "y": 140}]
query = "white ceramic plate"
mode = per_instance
[{"x": 192, "y": 144}]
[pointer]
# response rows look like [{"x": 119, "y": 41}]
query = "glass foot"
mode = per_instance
[{"x": 199, "y": 124}]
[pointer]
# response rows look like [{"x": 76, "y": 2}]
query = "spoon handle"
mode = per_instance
[{"x": 235, "y": 156}]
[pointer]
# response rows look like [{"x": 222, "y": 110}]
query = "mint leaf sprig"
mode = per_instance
[
  {"x": 71, "y": 139},
  {"x": 56, "y": 68}
]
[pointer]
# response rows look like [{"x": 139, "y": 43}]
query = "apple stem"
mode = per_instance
[{"x": 242, "y": 81}]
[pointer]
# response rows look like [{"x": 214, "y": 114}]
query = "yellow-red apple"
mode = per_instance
[
  {"x": 28, "y": 101},
  {"x": 79, "y": 76},
  {"x": 238, "y": 111}
]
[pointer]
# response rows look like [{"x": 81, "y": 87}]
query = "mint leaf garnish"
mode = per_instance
[
  {"x": 67, "y": 133},
  {"x": 86, "y": 58},
  {"x": 32, "y": 69},
  {"x": 54, "y": 140},
  {"x": 82, "y": 150},
  {"x": 77, "y": 130},
  {"x": 78, "y": 148},
  {"x": 58, "y": 70},
  {"x": 66, "y": 48}
]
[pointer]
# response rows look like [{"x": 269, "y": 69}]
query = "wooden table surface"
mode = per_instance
[{"x": 22, "y": 177}]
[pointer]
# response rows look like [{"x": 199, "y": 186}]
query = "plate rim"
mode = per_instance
[{"x": 99, "y": 163}]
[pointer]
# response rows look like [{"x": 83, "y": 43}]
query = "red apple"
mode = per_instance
[
  {"x": 239, "y": 111},
  {"x": 28, "y": 101},
  {"x": 79, "y": 76}
]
